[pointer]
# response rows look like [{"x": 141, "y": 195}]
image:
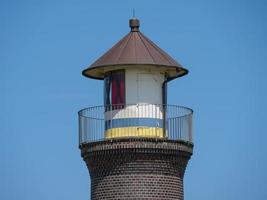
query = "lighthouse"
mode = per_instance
[{"x": 135, "y": 145}]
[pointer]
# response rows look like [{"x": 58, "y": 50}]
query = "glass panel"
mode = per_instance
[
  {"x": 107, "y": 90},
  {"x": 118, "y": 88}
]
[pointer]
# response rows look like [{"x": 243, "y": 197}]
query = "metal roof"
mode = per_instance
[{"x": 134, "y": 49}]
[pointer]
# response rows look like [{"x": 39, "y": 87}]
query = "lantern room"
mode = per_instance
[{"x": 135, "y": 72}]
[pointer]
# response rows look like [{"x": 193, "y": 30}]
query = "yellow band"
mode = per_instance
[{"x": 151, "y": 132}]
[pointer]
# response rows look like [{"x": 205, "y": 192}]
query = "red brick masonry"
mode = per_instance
[{"x": 137, "y": 168}]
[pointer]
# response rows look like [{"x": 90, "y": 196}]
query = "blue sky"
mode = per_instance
[{"x": 44, "y": 46}]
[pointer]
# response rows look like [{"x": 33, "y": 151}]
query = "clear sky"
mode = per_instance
[{"x": 44, "y": 46}]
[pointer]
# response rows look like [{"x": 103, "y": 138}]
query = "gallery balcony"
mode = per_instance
[{"x": 169, "y": 122}]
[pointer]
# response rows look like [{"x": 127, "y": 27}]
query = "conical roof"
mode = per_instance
[{"x": 134, "y": 49}]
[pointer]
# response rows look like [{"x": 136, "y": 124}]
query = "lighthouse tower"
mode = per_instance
[{"x": 135, "y": 145}]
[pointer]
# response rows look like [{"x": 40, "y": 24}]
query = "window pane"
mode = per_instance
[
  {"x": 118, "y": 88},
  {"x": 107, "y": 91}
]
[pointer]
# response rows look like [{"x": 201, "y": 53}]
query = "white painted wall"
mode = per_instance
[
  {"x": 143, "y": 89},
  {"x": 143, "y": 86}
]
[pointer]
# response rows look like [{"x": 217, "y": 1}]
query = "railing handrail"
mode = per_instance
[{"x": 101, "y": 122}]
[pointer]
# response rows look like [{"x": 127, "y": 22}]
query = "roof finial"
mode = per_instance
[{"x": 134, "y": 23}]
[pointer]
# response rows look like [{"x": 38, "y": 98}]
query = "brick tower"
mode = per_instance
[{"x": 136, "y": 146}]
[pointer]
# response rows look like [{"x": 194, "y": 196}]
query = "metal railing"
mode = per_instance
[{"x": 135, "y": 120}]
